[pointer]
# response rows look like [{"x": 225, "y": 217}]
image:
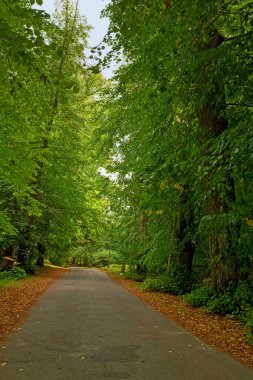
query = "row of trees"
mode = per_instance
[
  {"x": 177, "y": 134},
  {"x": 49, "y": 182},
  {"x": 173, "y": 131}
]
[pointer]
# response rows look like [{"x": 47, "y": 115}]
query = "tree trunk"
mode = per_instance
[
  {"x": 123, "y": 267},
  {"x": 41, "y": 255},
  {"x": 213, "y": 122},
  {"x": 184, "y": 226},
  {"x": 140, "y": 267}
]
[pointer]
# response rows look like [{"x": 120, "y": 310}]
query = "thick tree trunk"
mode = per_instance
[
  {"x": 224, "y": 263},
  {"x": 41, "y": 255},
  {"x": 186, "y": 255},
  {"x": 23, "y": 253},
  {"x": 184, "y": 226},
  {"x": 141, "y": 269},
  {"x": 213, "y": 122},
  {"x": 7, "y": 263}
]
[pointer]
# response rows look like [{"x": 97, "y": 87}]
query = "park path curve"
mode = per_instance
[{"x": 88, "y": 327}]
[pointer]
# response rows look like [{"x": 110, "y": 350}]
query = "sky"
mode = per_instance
[{"x": 91, "y": 9}]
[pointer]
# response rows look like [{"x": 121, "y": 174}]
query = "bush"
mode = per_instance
[
  {"x": 222, "y": 305},
  {"x": 244, "y": 298},
  {"x": 134, "y": 275},
  {"x": 14, "y": 274},
  {"x": 30, "y": 268},
  {"x": 243, "y": 295},
  {"x": 57, "y": 258},
  {"x": 156, "y": 284},
  {"x": 176, "y": 282},
  {"x": 200, "y": 296},
  {"x": 236, "y": 300},
  {"x": 115, "y": 268},
  {"x": 249, "y": 326}
]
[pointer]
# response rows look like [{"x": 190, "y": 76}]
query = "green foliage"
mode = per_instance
[
  {"x": 50, "y": 190},
  {"x": 56, "y": 258},
  {"x": 104, "y": 258},
  {"x": 249, "y": 326},
  {"x": 13, "y": 274},
  {"x": 177, "y": 134},
  {"x": 236, "y": 300},
  {"x": 243, "y": 295},
  {"x": 29, "y": 267},
  {"x": 224, "y": 304},
  {"x": 115, "y": 268},
  {"x": 176, "y": 282},
  {"x": 200, "y": 296},
  {"x": 134, "y": 275},
  {"x": 156, "y": 284}
]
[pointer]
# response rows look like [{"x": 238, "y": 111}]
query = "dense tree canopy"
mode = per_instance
[
  {"x": 48, "y": 180},
  {"x": 178, "y": 134},
  {"x": 179, "y": 121}
]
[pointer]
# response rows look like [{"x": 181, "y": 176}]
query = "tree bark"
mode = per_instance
[
  {"x": 213, "y": 122},
  {"x": 184, "y": 226}
]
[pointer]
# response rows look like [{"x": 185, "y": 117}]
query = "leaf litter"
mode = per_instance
[{"x": 17, "y": 299}]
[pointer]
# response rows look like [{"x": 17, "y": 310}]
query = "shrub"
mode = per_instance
[
  {"x": 243, "y": 295},
  {"x": 134, "y": 275},
  {"x": 14, "y": 274},
  {"x": 177, "y": 282},
  {"x": 236, "y": 299},
  {"x": 156, "y": 284},
  {"x": 249, "y": 326},
  {"x": 244, "y": 298},
  {"x": 57, "y": 258},
  {"x": 115, "y": 268},
  {"x": 200, "y": 296},
  {"x": 222, "y": 305},
  {"x": 30, "y": 268}
]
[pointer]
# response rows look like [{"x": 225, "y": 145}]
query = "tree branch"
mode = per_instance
[
  {"x": 239, "y": 105},
  {"x": 232, "y": 38},
  {"x": 219, "y": 13}
]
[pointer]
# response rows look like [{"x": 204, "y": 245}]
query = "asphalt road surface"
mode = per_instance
[{"x": 88, "y": 327}]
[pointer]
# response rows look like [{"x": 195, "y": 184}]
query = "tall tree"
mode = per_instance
[
  {"x": 182, "y": 97},
  {"x": 48, "y": 118}
]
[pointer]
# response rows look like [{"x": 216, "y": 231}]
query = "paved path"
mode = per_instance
[{"x": 88, "y": 327}]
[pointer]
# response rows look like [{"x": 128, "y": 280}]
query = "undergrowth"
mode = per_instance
[
  {"x": 176, "y": 282},
  {"x": 234, "y": 301},
  {"x": 13, "y": 274}
]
